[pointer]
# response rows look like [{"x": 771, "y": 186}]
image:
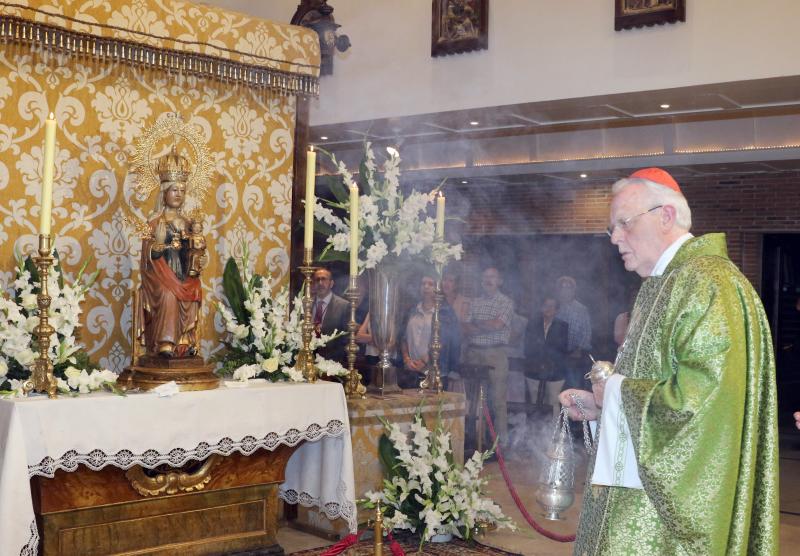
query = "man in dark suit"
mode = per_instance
[
  {"x": 545, "y": 354},
  {"x": 329, "y": 314}
]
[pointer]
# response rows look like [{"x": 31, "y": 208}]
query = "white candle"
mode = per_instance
[
  {"x": 440, "y": 216},
  {"x": 47, "y": 175},
  {"x": 311, "y": 176},
  {"x": 354, "y": 242}
]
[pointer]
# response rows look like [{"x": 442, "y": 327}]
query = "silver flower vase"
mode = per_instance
[{"x": 383, "y": 285}]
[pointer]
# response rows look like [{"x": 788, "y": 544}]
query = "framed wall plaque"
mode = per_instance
[
  {"x": 639, "y": 13},
  {"x": 459, "y": 26}
]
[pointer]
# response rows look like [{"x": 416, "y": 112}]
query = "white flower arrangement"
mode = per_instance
[
  {"x": 391, "y": 225},
  {"x": 425, "y": 491},
  {"x": 265, "y": 335},
  {"x": 18, "y": 319}
]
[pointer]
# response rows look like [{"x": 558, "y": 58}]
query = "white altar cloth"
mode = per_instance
[{"x": 39, "y": 436}]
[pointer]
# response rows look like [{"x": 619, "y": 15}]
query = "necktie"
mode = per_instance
[{"x": 319, "y": 311}]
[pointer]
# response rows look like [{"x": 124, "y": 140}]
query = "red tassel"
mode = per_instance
[
  {"x": 395, "y": 547},
  {"x": 341, "y": 546}
]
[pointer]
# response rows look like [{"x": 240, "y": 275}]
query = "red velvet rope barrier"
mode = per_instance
[
  {"x": 351, "y": 539},
  {"x": 517, "y": 500}
]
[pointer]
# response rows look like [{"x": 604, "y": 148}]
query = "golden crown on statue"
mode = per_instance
[
  {"x": 150, "y": 172},
  {"x": 173, "y": 167}
]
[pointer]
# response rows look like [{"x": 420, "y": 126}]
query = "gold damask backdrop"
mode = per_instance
[{"x": 101, "y": 108}]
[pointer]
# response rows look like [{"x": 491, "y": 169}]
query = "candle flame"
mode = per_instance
[{"x": 52, "y": 116}]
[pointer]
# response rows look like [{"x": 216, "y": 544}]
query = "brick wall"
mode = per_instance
[{"x": 743, "y": 206}]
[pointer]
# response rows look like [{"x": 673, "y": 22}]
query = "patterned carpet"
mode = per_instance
[{"x": 410, "y": 546}]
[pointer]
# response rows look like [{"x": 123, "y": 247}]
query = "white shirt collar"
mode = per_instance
[
  {"x": 669, "y": 254},
  {"x": 326, "y": 299}
]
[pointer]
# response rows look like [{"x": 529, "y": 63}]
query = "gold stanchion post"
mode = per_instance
[
  {"x": 378, "y": 551},
  {"x": 480, "y": 423},
  {"x": 42, "y": 379},
  {"x": 353, "y": 388},
  {"x": 305, "y": 359}
]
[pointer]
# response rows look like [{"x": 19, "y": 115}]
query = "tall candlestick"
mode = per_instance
[
  {"x": 354, "y": 241},
  {"x": 47, "y": 175},
  {"x": 440, "y": 216},
  {"x": 311, "y": 175}
]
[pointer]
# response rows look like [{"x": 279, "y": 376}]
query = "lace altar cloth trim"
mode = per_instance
[
  {"x": 332, "y": 510},
  {"x": 32, "y": 547},
  {"x": 125, "y": 459}
]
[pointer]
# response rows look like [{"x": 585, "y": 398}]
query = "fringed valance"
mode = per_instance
[{"x": 176, "y": 37}]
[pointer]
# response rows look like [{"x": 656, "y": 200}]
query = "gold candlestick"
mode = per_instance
[
  {"x": 42, "y": 379},
  {"x": 353, "y": 388},
  {"x": 433, "y": 375},
  {"x": 305, "y": 359}
]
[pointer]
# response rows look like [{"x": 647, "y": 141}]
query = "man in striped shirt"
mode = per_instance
[{"x": 488, "y": 328}]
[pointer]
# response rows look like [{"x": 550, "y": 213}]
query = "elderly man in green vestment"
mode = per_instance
[{"x": 687, "y": 458}]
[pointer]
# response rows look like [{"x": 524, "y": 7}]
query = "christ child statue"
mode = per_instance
[{"x": 197, "y": 248}]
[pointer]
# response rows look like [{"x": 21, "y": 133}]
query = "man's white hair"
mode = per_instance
[{"x": 660, "y": 195}]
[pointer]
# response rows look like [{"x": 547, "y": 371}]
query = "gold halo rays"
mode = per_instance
[{"x": 143, "y": 165}]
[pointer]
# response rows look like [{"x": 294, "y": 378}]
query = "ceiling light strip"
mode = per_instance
[{"x": 717, "y": 149}]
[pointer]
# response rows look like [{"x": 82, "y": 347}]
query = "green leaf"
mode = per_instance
[
  {"x": 363, "y": 177},
  {"x": 234, "y": 291},
  {"x": 323, "y": 228},
  {"x": 57, "y": 269},
  {"x": 387, "y": 456},
  {"x": 114, "y": 389},
  {"x": 337, "y": 187},
  {"x": 30, "y": 267},
  {"x": 331, "y": 255}
]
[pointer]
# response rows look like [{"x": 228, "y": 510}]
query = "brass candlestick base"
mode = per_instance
[
  {"x": 433, "y": 375},
  {"x": 42, "y": 379},
  {"x": 353, "y": 388},
  {"x": 305, "y": 359}
]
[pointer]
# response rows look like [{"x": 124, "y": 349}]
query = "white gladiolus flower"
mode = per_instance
[
  {"x": 18, "y": 322},
  {"x": 391, "y": 225},
  {"x": 28, "y": 301},
  {"x": 341, "y": 242},
  {"x": 442, "y": 497},
  {"x": 376, "y": 253},
  {"x": 246, "y": 372},
  {"x": 62, "y": 385},
  {"x": 239, "y": 331},
  {"x": 275, "y": 327},
  {"x": 327, "y": 367},
  {"x": 294, "y": 374},
  {"x": 25, "y": 356}
]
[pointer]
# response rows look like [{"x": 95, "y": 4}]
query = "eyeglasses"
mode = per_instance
[{"x": 625, "y": 223}]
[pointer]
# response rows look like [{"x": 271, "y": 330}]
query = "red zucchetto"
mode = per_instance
[{"x": 659, "y": 176}]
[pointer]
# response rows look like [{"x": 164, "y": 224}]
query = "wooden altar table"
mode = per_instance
[{"x": 56, "y": 455}]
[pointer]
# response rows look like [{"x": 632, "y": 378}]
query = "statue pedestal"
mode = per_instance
[{"x": 189, "y": 373}]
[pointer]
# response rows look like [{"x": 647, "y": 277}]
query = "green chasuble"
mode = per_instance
[{"x": 701, "y": 406}]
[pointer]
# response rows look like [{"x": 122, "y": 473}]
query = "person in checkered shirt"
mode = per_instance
[{"x": 488, "y": 329}]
